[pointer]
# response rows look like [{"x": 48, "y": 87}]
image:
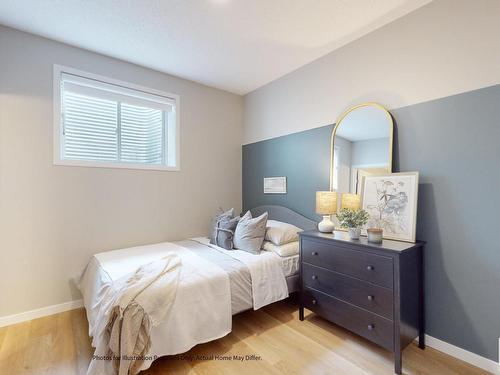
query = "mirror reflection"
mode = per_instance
[{"x": 362, "y": 146}]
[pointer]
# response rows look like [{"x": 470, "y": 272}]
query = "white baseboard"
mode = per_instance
[
  {"x": 466, "y": 356},
  {"x": 39, "y": 313}
]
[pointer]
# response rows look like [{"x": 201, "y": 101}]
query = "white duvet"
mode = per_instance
[
  {"x": 132, "y": 306},
  {"x": 201, "y": 311},
  {"x": 268, "y": 279}
]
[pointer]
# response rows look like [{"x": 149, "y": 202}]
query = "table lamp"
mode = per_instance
[
  {"x": 351, "y": 201},
  {"x": 326, "y": 205}
]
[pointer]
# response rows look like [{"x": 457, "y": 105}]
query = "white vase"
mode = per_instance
[{"x": 354, "y": 233}]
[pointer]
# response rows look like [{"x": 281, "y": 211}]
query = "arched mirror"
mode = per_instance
[{"x": 361, "y": 145}]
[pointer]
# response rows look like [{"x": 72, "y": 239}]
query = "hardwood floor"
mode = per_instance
[{"x": 279, "y": 342}]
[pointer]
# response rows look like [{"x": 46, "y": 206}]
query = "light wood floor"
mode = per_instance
[{"x": 59, "y": 344}]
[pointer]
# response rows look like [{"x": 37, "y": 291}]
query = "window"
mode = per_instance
[{"x": 101, "y": 122}]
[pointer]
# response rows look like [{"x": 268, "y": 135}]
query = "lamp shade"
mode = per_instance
[
  {"x": 326, "y": 202},
  {"x": 351, "y": 201}
]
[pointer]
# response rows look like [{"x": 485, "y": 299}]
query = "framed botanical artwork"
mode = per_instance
[{"x": 391, "y": 202}]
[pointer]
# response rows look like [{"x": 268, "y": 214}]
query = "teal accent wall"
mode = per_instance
[
  {"x": 454, "y": 143},
  {"x": 303, "y": 158}
]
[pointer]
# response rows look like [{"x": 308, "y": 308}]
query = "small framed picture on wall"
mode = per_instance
[
  {"x": 274, "y": 185},
  {"x": 391, "y": 202}
]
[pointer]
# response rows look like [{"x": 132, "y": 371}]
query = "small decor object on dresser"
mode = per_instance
[
  {"x": 375, "y": 235},
  {"x": 391, "y": 202},
  {"x": 353, "y": 220}
]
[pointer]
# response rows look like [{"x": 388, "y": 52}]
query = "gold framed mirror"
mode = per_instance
[{"x": 361, "y": 145}]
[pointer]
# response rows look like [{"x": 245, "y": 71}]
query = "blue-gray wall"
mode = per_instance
[{"x": 454, "y": 143}]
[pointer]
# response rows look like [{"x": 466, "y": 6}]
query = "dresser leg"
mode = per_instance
[
  {"x": 421, "y": 311},
  {"x": 421, "y": 340},
  {"x": 301, "y": 313},
  {"x": 397, "y": 362}
]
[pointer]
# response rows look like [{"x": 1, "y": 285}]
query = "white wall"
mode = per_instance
[
  {"x": 441, "y": 49},
  {"x": 53, "y": 218}
]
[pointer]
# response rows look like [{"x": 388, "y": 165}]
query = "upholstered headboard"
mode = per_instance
[{"x": 285, "y": 215}]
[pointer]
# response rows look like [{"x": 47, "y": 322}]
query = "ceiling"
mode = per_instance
[{"x": 235, "y": 45}]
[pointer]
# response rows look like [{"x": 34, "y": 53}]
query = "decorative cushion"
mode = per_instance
[
  {"x": 280, "y": 233},
  {"x": 250, "y": 232},
  {"x": 224, "y": 232},
  {"x": 227, "y": 215},
  {"x": 285, "y": 250}
]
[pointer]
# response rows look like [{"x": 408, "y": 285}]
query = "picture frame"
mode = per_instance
[
  {"x": 274, "y": 185},
  {"x": 391, "y": 202}
]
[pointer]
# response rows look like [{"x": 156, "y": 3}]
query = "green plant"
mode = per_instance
[{"x": 352, "y": 218}]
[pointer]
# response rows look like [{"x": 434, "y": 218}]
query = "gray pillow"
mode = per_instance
[
  {"x": 224, "y": 232},
  {"x": 250, "y": 233},
  {"x": 227, "y": 215}
]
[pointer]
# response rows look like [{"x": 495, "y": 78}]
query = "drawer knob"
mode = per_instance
[
  {"x": 314, "y": 277},
  {"x": 313, "y": 301},
  {"x": 370, "y": 268},
  {"x": 371, "y": 327},
  {"x": 314, "y": 253},
  {"x": 371, "y": 298}
]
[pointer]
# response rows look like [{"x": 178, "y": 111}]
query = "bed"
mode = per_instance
[
  {"x": 197, "y": 320},
  {"x": 286, "y": 215}
]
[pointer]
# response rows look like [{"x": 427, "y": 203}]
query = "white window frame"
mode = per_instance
[{"x": 173, "y": 137}]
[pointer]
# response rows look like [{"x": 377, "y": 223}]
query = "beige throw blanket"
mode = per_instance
[{"x": 131, "y": 306}]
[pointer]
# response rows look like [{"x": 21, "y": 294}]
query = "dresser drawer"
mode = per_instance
[
  {"x": 371, "y": 326},
  {"x": 365, "y": 266},
  {"x": 371, "y": 297}
]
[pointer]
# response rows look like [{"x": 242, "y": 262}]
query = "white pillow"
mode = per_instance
[
  {"x": 286, "y": 250},
  {"x": 280, "y": 233}
]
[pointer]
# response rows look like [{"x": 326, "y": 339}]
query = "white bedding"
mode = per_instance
[
  {"x": 202, "y": 308},
  {"x": 290, "y": 265},
  {"x": 200, "y": 313},
  {"x": 133, "y": 305},
  {"x": 266, "y": 269}
]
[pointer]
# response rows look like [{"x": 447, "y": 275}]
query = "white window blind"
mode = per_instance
[
  {"x": 142, "y": 133},
  {"x": 105, "y": 124},
  {"x": 90, "y": 128}
]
